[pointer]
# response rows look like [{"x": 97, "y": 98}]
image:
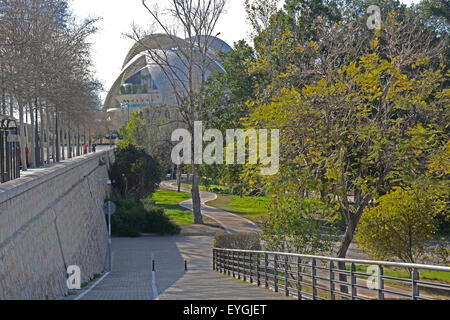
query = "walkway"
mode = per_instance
[
  {"x": 132, "y": 277},
  {"x": 229, "y": 221}
]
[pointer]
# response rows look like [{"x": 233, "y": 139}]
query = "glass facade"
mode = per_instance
[{"x": 140, "y": 83}]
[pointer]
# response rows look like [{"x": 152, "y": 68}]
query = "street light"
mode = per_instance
[{"x": 109, "y": 209}]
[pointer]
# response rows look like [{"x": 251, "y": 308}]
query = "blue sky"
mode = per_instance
[{"x": 110, "y": 47}]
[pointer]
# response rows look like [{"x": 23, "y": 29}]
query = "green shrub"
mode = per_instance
[
  {"x": 127, "y": 221},
  {"x": 134, "y": 173},
  {"x": 134, "y": 217},
  {"x": 156, "y": 221},
  {"x": 238, "y": 241}
]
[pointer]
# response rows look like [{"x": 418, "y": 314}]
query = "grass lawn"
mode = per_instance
[
  {"x": 203, "y": 188},
  {"x": 189, "y": 186},
  {"x": 402, "y": 273},
  {"x": 252, "y": 208},
  {"x": 168, "y": 200}
]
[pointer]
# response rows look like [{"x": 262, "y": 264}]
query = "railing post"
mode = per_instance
[
  {"x": 266, "y": 262},
  {"x": 217, "y": 264},
  {"x": 353, "y": 280},
  {"x": 275, "y": 272},
  {"x": 332, "y": 295},
  {"x": 258, "y": 262},
  {"x": 228, "y": 263},
  {"x": 244, "y": 263},
  {"x": 380, "y": 283},
  {"x": 286, "y": 275},
  {"x": 222, "y": 261},
  {"x": 251, "y": 268},
  {"x": 218, "y": 260},
  {"x": 239, "y": 265},
  {"x": 232, "y": 264},
  {"x": 314, "y": 280},
  {"x": 299, "y": 278},
  {"x": 415, "y": 287}
]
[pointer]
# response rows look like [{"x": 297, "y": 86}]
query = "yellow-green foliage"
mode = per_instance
[{"x": 399, "y": 225}]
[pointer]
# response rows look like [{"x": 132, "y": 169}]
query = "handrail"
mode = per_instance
[
  {"x": 357, "y": 261},
  {"x": 305, "y": 277}
]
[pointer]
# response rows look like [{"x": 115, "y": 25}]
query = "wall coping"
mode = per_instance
[{"x": 34, "y": 177}]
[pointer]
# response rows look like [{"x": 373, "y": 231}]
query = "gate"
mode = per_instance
[{"x": 9, "y": 150}]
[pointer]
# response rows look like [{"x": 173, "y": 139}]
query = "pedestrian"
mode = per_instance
[
  {"x": 85, "y": 148},
  {"x": 93, "y": 147}
]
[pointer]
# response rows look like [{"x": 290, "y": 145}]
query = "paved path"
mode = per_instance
[
  {"x": 132, "y": 278},
  {"x": 229, "y": 221}
]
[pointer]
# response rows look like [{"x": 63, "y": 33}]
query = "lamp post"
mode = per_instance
[{"x": 109, "y": 209}]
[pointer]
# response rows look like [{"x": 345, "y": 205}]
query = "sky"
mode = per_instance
[{"x": 110, "y": 46}]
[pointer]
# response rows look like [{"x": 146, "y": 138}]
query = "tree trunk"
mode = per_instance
[
  {"x": 53, "y": 139},
  {"x": 37, "y": 152},
  {"x": 69, "y": 139},
  {"x": 179, "y": 178},
  {"x": 63, "y": 143},
  {"x": 352, "y": 220},
  {"x": 48, "y": 144},
  {"x": 342, "y": 253},
  {"x": 78, "y": 141},
  {"x": 57, "y": 137},
  {"x": 32, "y": 142},
  {"x": 23, "y": 143},
  {"x": 198, "y": 218},
  {"x": 90, "y": 140},
  {"x": 43, "y": 125},
  {"x": 148, "y": 127}
]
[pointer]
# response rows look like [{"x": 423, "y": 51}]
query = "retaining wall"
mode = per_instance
[{"x": 52, "y": 218}]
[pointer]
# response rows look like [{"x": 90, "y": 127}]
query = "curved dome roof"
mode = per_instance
[
  {"x": 138, "y": 59},
  {"x": 155, "y": 41},
  {"x": 215, "y": 44}
]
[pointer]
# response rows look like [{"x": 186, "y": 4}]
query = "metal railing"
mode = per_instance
[
  {"x": 9, "y": 150},
  {"x": 309, "y": 277}
]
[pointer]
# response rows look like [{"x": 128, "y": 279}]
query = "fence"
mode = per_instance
[
  {"x": 325, "y": 278},
  {"x": 9, "y": 150}
]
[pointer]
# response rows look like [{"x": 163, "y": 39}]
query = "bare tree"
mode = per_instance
[
  {"x": 45, "y": 73},
  {"x": 183, "y": 52}
]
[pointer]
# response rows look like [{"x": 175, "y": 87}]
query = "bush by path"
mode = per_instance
[{"x": 134, "y": 217}]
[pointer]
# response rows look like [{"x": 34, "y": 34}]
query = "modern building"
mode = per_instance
[{"x": 144, "y": 83}]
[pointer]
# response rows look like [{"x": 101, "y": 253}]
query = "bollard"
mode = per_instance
[{"x": 185, "y": 265}]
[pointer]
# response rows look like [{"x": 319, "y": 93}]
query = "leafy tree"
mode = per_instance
[
  {"x": 135, "y": 173},
  {"x": 399, "y": 225},
  {"x": 228, "y": 91},
  {"x": 134, "y": 132},
  {"x": 226, "y": 98},
  {"x": 296, "y": 225},
  {"x": 364, "y": 129},
  {"x": 150, "y": 129},
  {"x": 361, "y": 111}
]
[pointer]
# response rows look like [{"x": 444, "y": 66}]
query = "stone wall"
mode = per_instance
[{"x": 52, "y": 218}]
